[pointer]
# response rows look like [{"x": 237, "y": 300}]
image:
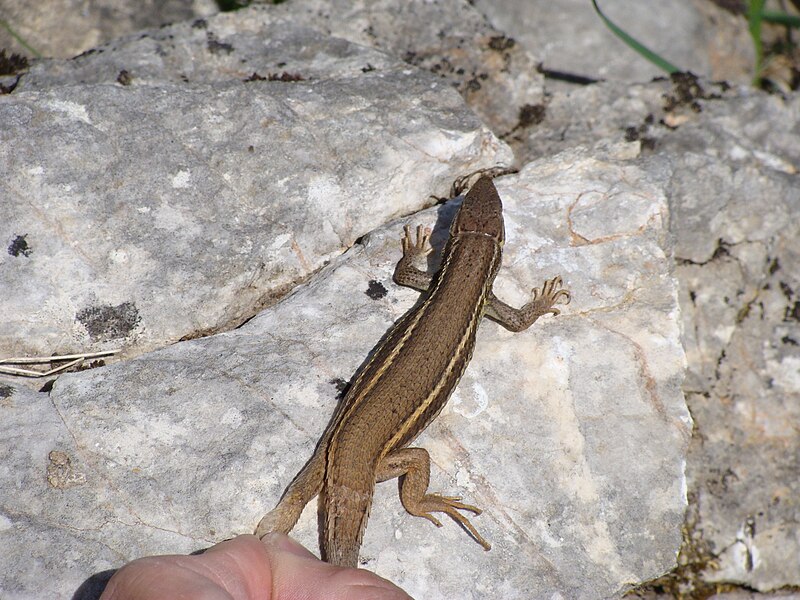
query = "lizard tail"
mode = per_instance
[{"x": 344, "y": 517}]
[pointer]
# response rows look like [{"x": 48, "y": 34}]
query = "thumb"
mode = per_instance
[{"x": 299, "y": 575}]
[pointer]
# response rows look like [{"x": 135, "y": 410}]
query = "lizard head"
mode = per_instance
[{"x": 481, "y": 212}]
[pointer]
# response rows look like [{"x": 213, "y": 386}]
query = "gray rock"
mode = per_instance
[
  {"x": 64, "y": 28},
  {"x": 719, "y": 165},
  {"x": 245, "y": 45},
  {"x": 496, "y": 76},
  {"x": 745, "y": 595},
  {"x": 612, "y": 112},
  {"x": 737, "y": 231},
  {"x": 660, "y": 115},
  {"x": 568, "y": 36},
  {"x": 179, "y": 448},
  {"x": 137, "y": 215},
  {"x": 734, "y": 203},
  {"x": 733, "y": 196}
]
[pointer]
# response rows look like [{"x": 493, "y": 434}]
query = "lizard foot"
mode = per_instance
[
  {"x": 544, "y": 300},
  {"x": 450, "y": 505},
  {"x": 278, "y": 519},
  {"x": 420, "y": 247}
]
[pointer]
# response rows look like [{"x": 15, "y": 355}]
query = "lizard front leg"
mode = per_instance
[
  {"x": 543, "y": 302},
  {"x": 413, "y": 467},
  {"x": 405, "y": 273}
]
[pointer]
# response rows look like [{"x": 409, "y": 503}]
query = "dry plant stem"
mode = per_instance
[{"x": 74, "y": 360}]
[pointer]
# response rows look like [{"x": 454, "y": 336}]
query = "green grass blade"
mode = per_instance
[
  {"x": 755, "y": 10},
  {"x": 22, "y": 42},
  {"x": 780, "y": 18},
  {"x": 643, "y": 51}
]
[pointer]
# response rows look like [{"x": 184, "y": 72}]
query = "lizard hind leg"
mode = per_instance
[
  {"x": 280, "y": 519},
  {"x": 413, "y": 466},
  {"x": 303, "y": 488}
]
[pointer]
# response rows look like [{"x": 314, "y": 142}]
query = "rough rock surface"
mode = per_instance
[
  {"x": 452, "y": 40},
  {"x": 737, "y": 232},
  {"x": 724, "y": 159},
  {"x": 154, "y": 212},
  {"x": 64, "y": 28},
  {"x": 734, "y": 216},
  {"x": 570, "y": 38},
  {"x": 496, "y": 76},
  {"x": 183, "y": 447}
]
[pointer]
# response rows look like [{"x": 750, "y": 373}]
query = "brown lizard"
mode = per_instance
[{"x": 407, "y": 382}]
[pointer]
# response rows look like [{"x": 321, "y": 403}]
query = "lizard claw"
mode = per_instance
[
  {"x": 420, "y": 247},
  {"x": 550, "y": 295},
  {"x": 450, "y": 505}
]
